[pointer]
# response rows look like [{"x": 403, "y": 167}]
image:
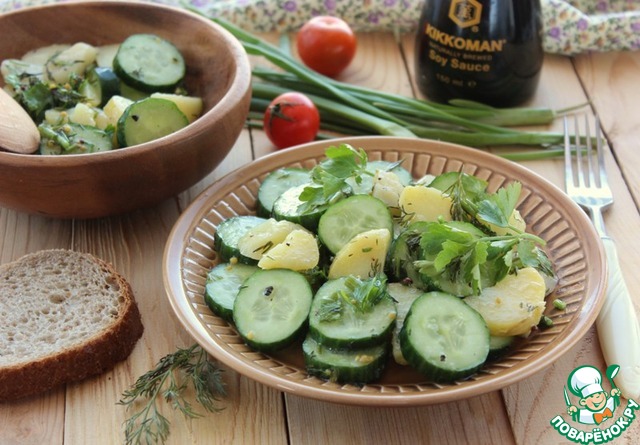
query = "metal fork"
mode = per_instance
[{"x": 617, "y": 323}]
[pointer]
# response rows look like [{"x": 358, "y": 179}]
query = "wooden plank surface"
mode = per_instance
[{"x": 87, "y": 412}]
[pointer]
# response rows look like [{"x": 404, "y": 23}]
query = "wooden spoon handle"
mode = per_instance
[{"x": 18, "y": 132}]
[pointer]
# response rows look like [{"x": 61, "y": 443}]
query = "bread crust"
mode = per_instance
[{"x": 93, "y": 356}]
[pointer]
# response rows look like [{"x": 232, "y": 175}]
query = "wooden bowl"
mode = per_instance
[{"x": 118, "y": 181}]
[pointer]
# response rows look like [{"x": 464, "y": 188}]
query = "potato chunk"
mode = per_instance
[
  {"x": 363, "y": 256},
  {"x": 419, "y": 203},
  {"x": 263, "y": 237},
  {"x": 299, "y": 251},
  {"x": 513, "y": 305}
]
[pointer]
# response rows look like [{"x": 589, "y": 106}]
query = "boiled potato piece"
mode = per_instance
[
  {"x": 263, "y": 237},
  {"x": 106, "y": 54},
  {"x": 513, "y": 305},
  {"x": 54, "y": 116},
  {"x": 73, "y": 60},
  {"x": 40, "y": 56},
  {"x": 115, "y": 107},
  {"x": 101, "y": 118},
  {"x": 421, "y": 203},
  {"x": 83, "y": 114},
  {"x": 189, "y": 105},
  {"x": 299, "y": 251},
  {"x": 388, "y": 188},
  {"x": 363, "y": 256}
]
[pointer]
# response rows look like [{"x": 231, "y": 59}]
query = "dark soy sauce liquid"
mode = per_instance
[{"x": 489, "y": 51}]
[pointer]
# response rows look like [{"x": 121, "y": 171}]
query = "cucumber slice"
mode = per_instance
[
  {"x": 275, "y": 184},
  {"x": 223, "y": 284},
  {"x": 81, "y": 139},
  {"x": 499, "y": 346},
  {"x": 350, "y": 216},
  {"x": 149, "y": 119},
  {"x": 404, "y": 250},
  {"x": 404, "y": 296},
  {"x": 443, "y": 339},
  {"x": 286, "y": 207},
  {"x": 131, "y": 93},
  {"x": 149, "y": 63},
  {"x": 337, "y": 323},
  {"x": 229, "y": 232},
  {"x": 271, "y": 308},
  {"x": 355, "y": 366},
  {"x": 99, "y": 86},
  {"x": 366, "y": 185}
]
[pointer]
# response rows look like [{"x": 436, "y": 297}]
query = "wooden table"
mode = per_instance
[{"x": 87, "y": 413}]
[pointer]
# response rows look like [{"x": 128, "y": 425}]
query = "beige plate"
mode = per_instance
[{"x": 571, "y": 241}]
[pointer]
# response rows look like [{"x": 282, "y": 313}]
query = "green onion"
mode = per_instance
[
  {"x": 545, "y": 322},
  {"x": 559, "y": 304},
  {"x": 355, "y": 110},
  {"x": 379, "y": 125}
]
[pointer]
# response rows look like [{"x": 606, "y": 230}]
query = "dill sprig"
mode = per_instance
[
  {"x": 173, "y": 374},
  {"x": 360, "y": 295}
]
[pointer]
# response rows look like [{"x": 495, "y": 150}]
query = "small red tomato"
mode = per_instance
[
  {"x": 291, "y": 119},
  {"x": 326, "y": 44}
]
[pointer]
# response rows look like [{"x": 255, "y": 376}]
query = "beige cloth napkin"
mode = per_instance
[{"x": 570, "y": 26}]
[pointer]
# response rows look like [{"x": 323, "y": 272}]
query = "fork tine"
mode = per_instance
[
  {"x": 579, "y": 153},
  {"x": 600, "y": 153},
  {"x": 568, "y": 169},
  {"x": 591, "y": 174}
]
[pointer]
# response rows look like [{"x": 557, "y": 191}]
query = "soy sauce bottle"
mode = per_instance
[{"x": 489, "y": 51}]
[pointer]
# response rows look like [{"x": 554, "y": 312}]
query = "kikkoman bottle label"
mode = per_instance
[
  {"x": 465, "y": 13},
  {"x": 489, "y": 51}
]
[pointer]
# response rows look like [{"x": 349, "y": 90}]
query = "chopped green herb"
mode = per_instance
[
  {"x": 545, "y": 322},
  {"x": 559, "y": 304}
]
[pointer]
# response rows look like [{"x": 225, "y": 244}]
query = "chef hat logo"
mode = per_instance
[{"x": 585, "y": 380}]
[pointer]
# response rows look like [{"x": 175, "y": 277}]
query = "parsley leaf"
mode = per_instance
[
  {"x": 457, "y": 253},
  {"x": 331, "y": 178},
  {"x": 472, "y": 203}
]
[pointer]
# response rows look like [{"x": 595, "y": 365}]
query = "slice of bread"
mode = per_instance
[{"x": 64, "y": 316}]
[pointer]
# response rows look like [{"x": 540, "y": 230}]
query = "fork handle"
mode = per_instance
[{"x": 618, "y": 328}]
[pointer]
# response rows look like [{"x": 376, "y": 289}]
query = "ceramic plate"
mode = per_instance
[{"x": 572, "y": 245}]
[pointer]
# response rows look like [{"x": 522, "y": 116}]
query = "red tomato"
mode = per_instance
[
  {"x": 291, "y": 119},
  {"x": 326, "y": 45}
]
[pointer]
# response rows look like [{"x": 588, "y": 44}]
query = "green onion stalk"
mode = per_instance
[{"x": 355, "y": 110}]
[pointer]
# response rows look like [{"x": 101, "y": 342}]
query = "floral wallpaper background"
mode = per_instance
[{"x": 570, "y": 26}]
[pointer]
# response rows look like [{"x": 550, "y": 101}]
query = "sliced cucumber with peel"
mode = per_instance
[
  {"x": 81, "y": 139},
  {"x": 499, "y": 346},
  {"x": 444, "y": 338},
  {"x": 149, "y": 119},
  {"x": 148, "y": 62},
  {"x": 287, "y": 207},
  {"x": 100, "y": 84},
  {"x": 404, "y": 250},
  {"x": 355, "y": 366},
  {"x": 366, "y": 185},
  {"x": 351, "y": 216},
  {"x": 222, "y": 287},
  {"x": 272, "y": 308},
  {"x": 403, "y": 296},
  {"x": 229, "y": 232},
  {"x": 336, "y": 323},
  {"x": 275, "y": 184}
]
